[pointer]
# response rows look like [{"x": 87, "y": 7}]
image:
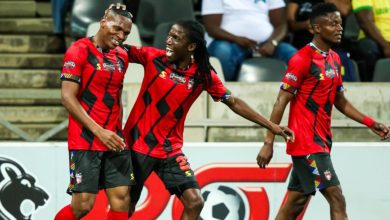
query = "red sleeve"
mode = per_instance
[
  {"x": 216, "y": 89},
  {"x": 298, "y": 67},
  {"x": 340, "y": 87},
  {"x": 141, "y": 55},
  {"x": 74, "y": 61}
]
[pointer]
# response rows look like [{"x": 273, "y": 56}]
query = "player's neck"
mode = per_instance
[
  {"x": 98, "y": 43},
  {"x": 320, "y": 45},
  {"x": 184, "y": 65}
]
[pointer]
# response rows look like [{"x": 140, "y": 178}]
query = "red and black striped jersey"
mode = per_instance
[
  {"x": 314, "y": 77},
  {"x": 156, "y": 122},
  {"x": 100, "y": 76}
]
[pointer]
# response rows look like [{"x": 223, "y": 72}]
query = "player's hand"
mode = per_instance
[
  {"x": 285, "y": 132},
  {"x": 381, "y": 130},
  {"x": 111, "y": 140},
  {"x": 265, "y": 154}
]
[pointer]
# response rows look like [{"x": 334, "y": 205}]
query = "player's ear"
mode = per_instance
[
  {"x": 191, "y": 47},
  {"x": 316, "y": 28}
]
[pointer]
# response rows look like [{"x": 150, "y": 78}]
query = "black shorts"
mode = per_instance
[
  {"x": 175, "y": 173},
  {"x": 312, "y": 172},
  {"x": 94, "y": 170}
]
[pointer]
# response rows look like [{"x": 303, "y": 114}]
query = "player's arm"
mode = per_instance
[
  {"x": 266, "y": 152},
  {"x": 241, "y": 108},
  {"x": 69, "y": 91},
  {"x": 366, "y": 22},
  {"x": 345, "y": 107}
]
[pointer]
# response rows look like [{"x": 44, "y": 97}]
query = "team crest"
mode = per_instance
[
  {"x": 120, "y": 66},
  {"x": 98, "y": 67},
  {"x": 79, "y": 178},
  {"x": 190, "y": 84},
  {"x": 163, "y": 74},
  {"x": 330, "y": 73},
  {"x": 328, "y": 175}
]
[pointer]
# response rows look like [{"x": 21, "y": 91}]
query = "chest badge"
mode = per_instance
[{"x": 190, "y": 84}]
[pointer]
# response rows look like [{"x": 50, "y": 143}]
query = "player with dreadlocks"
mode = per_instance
[{"x": 174, "y": 78}]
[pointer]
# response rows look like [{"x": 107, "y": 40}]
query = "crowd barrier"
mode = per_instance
[{"x": 34, "y": 177}]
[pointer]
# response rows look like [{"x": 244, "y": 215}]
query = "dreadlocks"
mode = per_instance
[{"x": 195, "y": 34}]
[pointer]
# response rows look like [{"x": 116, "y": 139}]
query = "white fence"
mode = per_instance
[{"x": 363, "y": 170}]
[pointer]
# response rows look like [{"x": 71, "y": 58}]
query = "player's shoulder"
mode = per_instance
[
  {"x": 79, "y": 45},
  {"x": 301, "y": 56}
]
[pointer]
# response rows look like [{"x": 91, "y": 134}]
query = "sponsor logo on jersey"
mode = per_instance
[
  {"x": 291, "y": 77},
  {"x": 163, "y": 74},
  {"x": 69, "y": 64},
  {"x": 330, "y": 73},
  {"x": 109, "y": 67},
  {"x": 177, "y": 78}
]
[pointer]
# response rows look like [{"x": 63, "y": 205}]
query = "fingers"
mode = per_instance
[
  {"x": 262, "y": 163},
  {"x": 118, "y": 143}
]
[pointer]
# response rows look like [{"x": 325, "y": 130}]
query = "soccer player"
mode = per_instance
[
  {"x": 174, "y": 78},
  {"x": 92, "y": 80},
  {"x": 313, "y": 85}
]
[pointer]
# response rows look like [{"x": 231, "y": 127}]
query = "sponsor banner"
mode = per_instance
[{"x": 34, "y": 177}]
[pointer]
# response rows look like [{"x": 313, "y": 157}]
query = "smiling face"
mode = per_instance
[
  {"x": 328, "y": 28},
  {"x": 114, "y": 30},
  {"x": 178, "y": 47}
]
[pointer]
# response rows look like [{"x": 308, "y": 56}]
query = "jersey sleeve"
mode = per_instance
[
  {"x": 216, "y": 89},
  {"x": 296, "y": 70},
  {"x": 142, "y": 55},
  {"x": 74, "y": 61}
]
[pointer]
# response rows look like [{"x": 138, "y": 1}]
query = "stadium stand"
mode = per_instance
[
  {"x": 381, "y": 71},
  {"x": 261, "y": 69}
]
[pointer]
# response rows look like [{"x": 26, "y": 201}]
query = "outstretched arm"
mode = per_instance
[
  {"x": 266, "y": 152},
  {"x": 242, "y": 108},
  {"x": 345, "y": 107}
]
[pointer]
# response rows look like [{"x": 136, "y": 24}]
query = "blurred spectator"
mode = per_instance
[
  {"x": 60, "y": 9},
  {"x": 241, "y": 28},
  {"x": 298, "y": 18},
  {"x": 298, "y": 12},
  {"x": 374, "y": 42}
]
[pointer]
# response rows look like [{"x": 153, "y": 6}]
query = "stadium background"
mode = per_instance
[{"x": 30, "y": 111}]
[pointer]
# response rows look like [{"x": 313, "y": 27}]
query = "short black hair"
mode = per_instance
[
  {"x": 121, "y": 12},
  {"x": 321, "y": 9}
]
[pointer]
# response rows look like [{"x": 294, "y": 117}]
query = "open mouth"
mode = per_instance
[
  {"x": 116, "y": 42},
  {"x": 169, "y": 51}
]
